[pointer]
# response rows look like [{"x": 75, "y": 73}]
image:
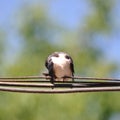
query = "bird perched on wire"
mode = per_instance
[{"x": 60, "y": 66}]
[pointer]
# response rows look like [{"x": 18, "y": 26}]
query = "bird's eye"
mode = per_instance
[
  {"x": 67, "y": 57},
  {"x": 50, "y": 60}
]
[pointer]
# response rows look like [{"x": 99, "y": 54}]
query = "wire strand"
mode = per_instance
[
  {"x": 48, "y": 77},
  {"x": 55, "y": 91}
]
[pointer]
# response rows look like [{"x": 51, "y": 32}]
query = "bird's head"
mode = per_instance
[{"x": 61, "y": 57}]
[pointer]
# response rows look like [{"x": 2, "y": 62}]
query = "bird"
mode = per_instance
[{"x": 60, "y": 66}]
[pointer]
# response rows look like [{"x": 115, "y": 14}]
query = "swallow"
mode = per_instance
[{"x": 60, "y": 66}]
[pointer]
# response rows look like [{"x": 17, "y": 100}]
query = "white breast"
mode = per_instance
[{"x": 61, "y": 67}]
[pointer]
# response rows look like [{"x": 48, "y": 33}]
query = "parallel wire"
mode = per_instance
[
  {"x": 41, "y": 84},
  {"x": 47, "y": 77},
  {"x": 55, "y": 91}
]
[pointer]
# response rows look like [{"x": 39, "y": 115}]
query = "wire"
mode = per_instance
[
  {"x": 61, "y": 84},
  {"x": 42, "y": 84},
  {"x": 48, "y": 77},
  {"x": 55, "y": 91}
]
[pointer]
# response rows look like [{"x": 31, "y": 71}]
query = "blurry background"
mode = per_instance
[{"x": 86, "y": 29}]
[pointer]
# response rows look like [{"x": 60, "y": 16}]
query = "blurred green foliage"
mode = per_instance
[
  {"x": 2, "y": 49},
  {"x": 37, "y": 31}
]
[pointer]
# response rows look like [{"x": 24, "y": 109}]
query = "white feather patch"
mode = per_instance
[{"x": 61, "y": 66}]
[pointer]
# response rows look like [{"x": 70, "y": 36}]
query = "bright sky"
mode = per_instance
[{"x": 69, "y": 15}]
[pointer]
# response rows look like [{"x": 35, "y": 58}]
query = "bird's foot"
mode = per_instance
[{"x": 52, "y": 82}]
